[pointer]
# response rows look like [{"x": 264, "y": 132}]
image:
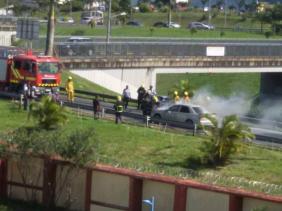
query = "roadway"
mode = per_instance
[{"x": 264, "y": 136}]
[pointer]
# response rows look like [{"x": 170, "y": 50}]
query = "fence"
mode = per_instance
[
  {"x": 101, "y": 187},
  {"x": 169, "y": 49}
]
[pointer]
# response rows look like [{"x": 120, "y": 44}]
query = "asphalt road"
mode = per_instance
[{"x": 264, "y": 136}]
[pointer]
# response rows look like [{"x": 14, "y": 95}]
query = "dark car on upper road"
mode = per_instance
[
  {"x": 160, "y": 24},
  {"x": 134, "y": 23}
]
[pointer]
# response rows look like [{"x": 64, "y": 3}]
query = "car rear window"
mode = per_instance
[{"x": 198, "y": 110}]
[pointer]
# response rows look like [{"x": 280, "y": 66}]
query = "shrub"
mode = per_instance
[
  {"x": 268, "y": 34},
  {"x": 78, "y": 32},
  {"x": 144, "y": 8},
  {"x": 222, "y": 34},
  {"x": 224, "y": 140},
  {"x": 193, "y": 31}
]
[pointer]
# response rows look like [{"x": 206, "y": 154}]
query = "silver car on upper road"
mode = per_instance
[{"x": 188, "y": 114}]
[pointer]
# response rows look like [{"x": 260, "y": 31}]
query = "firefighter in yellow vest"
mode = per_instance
[
  {"x": 186, "y": 97},
  {"x": 70, "y": 89},
  {"x": 176, "y": 96},
  {"x": 118, "y": 109},
  {"x": 156, "y": 102}
]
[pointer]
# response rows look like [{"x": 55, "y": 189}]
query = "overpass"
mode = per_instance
[
  {"x": 116, "y": 64},
  {"x": 115, "y": 72}
]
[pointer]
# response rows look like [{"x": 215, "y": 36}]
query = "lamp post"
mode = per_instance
[{"x": 109, "y": 21}]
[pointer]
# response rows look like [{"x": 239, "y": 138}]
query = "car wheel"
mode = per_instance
[
  {"x": 189, "y": 123},
  {"x": 157, "y": 118}
]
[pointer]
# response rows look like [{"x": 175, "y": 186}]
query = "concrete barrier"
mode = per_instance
[{"x": 106, "y": 188}]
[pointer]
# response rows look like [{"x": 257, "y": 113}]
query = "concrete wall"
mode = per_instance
[
  {"x": 109, "y": 189},
  {"x": 163, "y": 193},
  {"x": 70, "y": 190},
  {"x": 105, "y": 188},
  {"x": 117, "y": 79},
  {"x": 6, "y": 38},
  {"x": 206, "y": 200},
  {"x": 22, "y": 171},
  {"x": 249, "y": 204}
]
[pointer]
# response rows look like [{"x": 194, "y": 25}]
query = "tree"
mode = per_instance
[
  {"x": 181, "y": 87},
  {"x": 204, "y": 2},
  {"x": 48, "y": 113},
  {"x": 264, "y": 17},
  {"x": 50, "y": 29},
  {"x": 225, "y": 139},
  {"x": 124, "y": 5}
]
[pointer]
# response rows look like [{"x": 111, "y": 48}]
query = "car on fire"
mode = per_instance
[{"x": 188, "y": 115}]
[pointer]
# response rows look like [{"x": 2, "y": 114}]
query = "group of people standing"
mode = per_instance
[{"x": 146, "y": 101}]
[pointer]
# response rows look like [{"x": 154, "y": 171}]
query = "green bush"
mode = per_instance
[
  {"x": 268, "y": 34},
  {"x": 144, "y": 8},
  {"x": 222, "y": 34},
  {"x": 78, "y": 32}
]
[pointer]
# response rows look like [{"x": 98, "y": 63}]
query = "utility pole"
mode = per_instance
[
  {"x": 109, "y": 21},
  {"x": 169, "y": 13},
  {"x": 225, "y": 12},
  {"x": 50, "y": 29}
]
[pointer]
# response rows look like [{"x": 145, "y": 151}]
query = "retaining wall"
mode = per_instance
[{"x": 105, "y": 188}]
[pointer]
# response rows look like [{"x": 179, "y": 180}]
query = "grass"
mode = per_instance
[
  {"x": 234, "y": 21},
  {"x": 151, "y": 150},
  {"x": 127, "y": 31},
  {"x": 218, "y": 84},
  {"x": 83, "y": 84}
]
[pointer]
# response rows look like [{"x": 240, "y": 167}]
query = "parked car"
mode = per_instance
[
  {"x": 134, "y": 23},
  {"x": 199, "y": 25},
  {"x": 79, "y": 39},
  {"x": 160, "y": 24},
  {"x": 173, "y": 25},
  {"x": 86, "y": 20},
  {"x": 65, "y": 20},
  {"x": 188, "y": 114}
]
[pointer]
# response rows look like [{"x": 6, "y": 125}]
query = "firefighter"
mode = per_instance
[
  {"x": 141, "y": 93},
  {"x": 118, "y": 109},
  {"x": 70, "y": 89},
  {"x": 156, "y": 102},
  {"x": 186, "y": 97},
  {"x": 176, "y": 96}
]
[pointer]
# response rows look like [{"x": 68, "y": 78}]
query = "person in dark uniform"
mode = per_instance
[
  {"x": 141, "y": 93},
  {"x": 118, "y": 109},
  {"x": 96, "y": 107}
]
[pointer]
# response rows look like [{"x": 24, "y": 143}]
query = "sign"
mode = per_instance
[
  {"x": 28, "y": 29},
  {"x": 215, "y": 51}
]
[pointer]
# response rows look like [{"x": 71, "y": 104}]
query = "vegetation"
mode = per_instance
[
  {"x": 48, "y": 113},
  {"x": 158, "y": 151},
  {"x": 221, "y": 84},
  {"x": 225, "y": 139}
]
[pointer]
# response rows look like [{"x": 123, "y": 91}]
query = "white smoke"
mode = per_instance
[{"x": 238, "y": 104}]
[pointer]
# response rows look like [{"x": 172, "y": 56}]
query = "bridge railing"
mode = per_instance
[{"x": 169, "y": 49}]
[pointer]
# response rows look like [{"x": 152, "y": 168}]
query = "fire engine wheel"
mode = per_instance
[{"x": 189, "y": 123}]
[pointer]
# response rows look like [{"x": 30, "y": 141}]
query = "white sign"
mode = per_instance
[
  {"x": 182, "y": 1},
  {"x": 215, "y": 51}
]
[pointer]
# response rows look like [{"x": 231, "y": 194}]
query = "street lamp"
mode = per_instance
[{"x": 109, "y": 20}]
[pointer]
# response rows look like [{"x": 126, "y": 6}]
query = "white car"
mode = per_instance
[
  {"x": 188, "y": 115},
  {"x": 86, "y": 20},
  {"x": 174, "y": 25}
]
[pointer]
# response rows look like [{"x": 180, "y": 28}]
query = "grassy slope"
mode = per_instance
[
  {"x": 218, "y": 84},
  {"x": 148, "y": 19},
  {"x": 83, "y": 84},
  {"x": 135, "y": 146}
]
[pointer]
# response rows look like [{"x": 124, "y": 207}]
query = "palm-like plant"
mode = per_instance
[
  {"x": 225, "y": 139},
  {"x": 48, "y": 113}
]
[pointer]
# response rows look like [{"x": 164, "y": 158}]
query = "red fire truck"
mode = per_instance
[{"x": 18, "y": 67}]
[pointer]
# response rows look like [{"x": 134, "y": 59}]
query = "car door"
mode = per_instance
[
  {"x": 186, "y": 113},
  {"x": 171, "y": 113}
]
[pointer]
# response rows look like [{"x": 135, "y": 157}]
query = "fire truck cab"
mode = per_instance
[{"x": 42, "y": 73}]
